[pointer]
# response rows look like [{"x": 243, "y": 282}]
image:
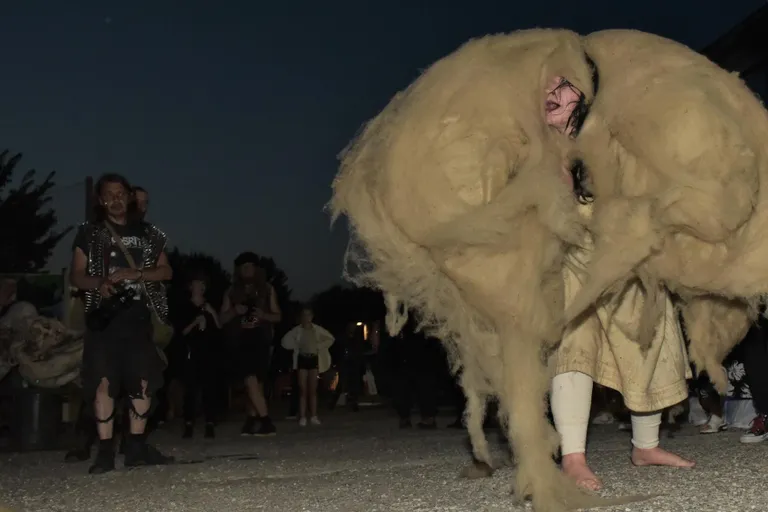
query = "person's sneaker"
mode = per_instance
[
  {"x": 315, "y": 421},
  {"x": 210, "y": 432},
  {"x": 249, "y": 427},
  {"x": 302, "y": 422},
  {"x": 715, "y": 425},
  {"x": 266, "y": 428},
  {"x": 757, "y": 433},
  {"x": 189, "y": 431},
  {"x": 105, "y": 458}
]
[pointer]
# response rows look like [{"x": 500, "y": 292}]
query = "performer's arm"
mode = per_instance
[
  {"x": 275, "y": 314},
  {"x": 227, "y": 311},
  {"x": 162, "y": 271}
]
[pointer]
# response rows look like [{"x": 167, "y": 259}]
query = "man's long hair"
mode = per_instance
[{"x": 100, "y": 212}]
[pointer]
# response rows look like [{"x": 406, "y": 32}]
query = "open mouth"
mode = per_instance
[
  {"x": 563, "y": 105},
  {"x": 566, "y": 109}
]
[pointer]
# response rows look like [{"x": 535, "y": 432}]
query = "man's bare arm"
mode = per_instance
[
  {"x": 275, "y": 314},
  {"x": 227, "y": 311},
  {"x": 160, "y": 272}
]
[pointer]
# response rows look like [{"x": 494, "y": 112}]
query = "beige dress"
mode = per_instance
[{"x": 603, "y": 347}]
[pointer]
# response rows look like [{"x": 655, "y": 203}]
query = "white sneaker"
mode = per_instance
[
  {"x": 303, "y": 422},
  {"x": 715, "y": 425},
  {"x": 315, "y": 420}
]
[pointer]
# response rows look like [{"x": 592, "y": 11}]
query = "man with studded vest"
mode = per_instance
[{"x": 120, "y": 262}]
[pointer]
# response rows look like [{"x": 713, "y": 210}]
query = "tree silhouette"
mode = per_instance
[
  {"x": 186, "y": 266},
  {"x": 26, "y": 228},
  {"x": 337, "y": 306}
]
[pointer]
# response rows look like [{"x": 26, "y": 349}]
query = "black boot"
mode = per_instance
[
  {"x": 249, "y": 427},
  {"x": 267, "y": 428},
  {"x": 105, "y": 458},
  {"x": 139, "y": 453},
  {"x": 210, "y": 433},
  {"x": 189, "y": 431}
]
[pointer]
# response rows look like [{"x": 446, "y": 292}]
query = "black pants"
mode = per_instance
[
  {"x": 417, "y": 381},
  {"x": 199, "y": 377},
  {"x": 351, "y": 373},
  {"x": 755, "y": 346},
  {"x": 293, "y": 407}
]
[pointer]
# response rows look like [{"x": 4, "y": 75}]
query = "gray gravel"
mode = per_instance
[{"x": 363, "y": 462}]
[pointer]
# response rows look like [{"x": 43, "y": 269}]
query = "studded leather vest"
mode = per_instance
[{"x": 99, "y": 241}]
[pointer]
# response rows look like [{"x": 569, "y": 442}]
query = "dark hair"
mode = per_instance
[
  {"x": 99, "y": 212},
  {"x": 197, "y": 276},
  {"x": 247, "y": 257},
  {"x": 138, "y": 188}
]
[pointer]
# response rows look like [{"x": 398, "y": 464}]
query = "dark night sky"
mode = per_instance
[{"x": 232, "y": 113}]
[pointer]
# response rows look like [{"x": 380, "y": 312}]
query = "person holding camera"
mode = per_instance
[
  {"x": 120, "y": 263},
  {"x": 250, "y": 310},
  {"x": 198, "y": 326}
]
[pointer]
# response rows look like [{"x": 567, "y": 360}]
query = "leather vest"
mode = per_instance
[{"x": 99, "y": 241}]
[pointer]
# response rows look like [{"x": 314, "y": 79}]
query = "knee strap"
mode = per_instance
[{"x": 107, "y": 419}]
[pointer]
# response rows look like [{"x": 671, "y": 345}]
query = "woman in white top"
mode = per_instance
[{"x": 309, "y": 343}]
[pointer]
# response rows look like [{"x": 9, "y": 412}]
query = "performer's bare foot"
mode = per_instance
[
  {"x": 659, "y": 457},
  {"x": 575, "y": 467}
]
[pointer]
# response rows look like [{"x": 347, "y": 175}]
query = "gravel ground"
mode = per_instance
[{"x": 363, "y": 462}]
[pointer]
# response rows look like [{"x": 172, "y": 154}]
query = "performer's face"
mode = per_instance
[
  {"x": 142, "y": 201},
  {"x": 197, "y": 288},
  {"x": 114, "y": 197},
  {"x": 247, "y": 270}
]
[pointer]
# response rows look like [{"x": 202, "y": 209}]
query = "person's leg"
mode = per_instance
[
  {"x": 755, "y": 346},
  {"x": 208, "y": 387},
  {"x": 354, "y": 381},
  {"x": 293, "y": 407},
  {"x": 645, "y": 443},
  {"x": 312, "y": 395},
  {"x": 101, "y": 383},
  {"x": 142, "y": 372},
  {"x": 427, "y": 390},
  {"x": 571, "y": 399},
  {"x": 303, "y": 396},
  {"x": 403, "y": 388},
  {"x": 192, "y": 387}
]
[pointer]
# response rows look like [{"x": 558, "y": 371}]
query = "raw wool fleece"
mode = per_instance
[
  {"x": 455, "y": 196},
  {"x": 676, "y": 150}
]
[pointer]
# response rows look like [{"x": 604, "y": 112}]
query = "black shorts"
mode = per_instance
[
  {"x": 254, "y": 359},
  {"x": 125, "y": 355},
  {"x": 307, "y": 362}
]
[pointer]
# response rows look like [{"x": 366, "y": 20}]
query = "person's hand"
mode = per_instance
[
  {"x": 210, "y": 309},
  {"x": 201, "y": 322},
  {"x": 124, "y": 274},
  {"x": 240, "y": 309},
  {"x": 106, "y": 289},
  {"x": 258, "y": 313}
]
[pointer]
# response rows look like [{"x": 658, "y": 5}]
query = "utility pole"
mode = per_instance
[{"x": 88, "y": 198}]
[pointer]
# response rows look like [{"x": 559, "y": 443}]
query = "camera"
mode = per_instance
[{"x": 111, "y": 306}]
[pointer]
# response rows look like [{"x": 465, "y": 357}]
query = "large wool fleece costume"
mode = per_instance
[
  {"x": 678, "y": 160},
  {"x": 456, "y": 200}
]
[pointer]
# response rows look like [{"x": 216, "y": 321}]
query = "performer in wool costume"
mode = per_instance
[
  {"x": 675, "y": 149},
  {"x": 456, "y": 195},
  {"x": 457, "y": 198}
]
